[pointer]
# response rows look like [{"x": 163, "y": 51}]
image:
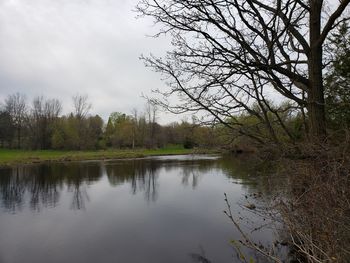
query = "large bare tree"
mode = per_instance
[
  {"x": 16, "y": 107},
  {"x": 45, "y": 113},
  {"x": 234, "y": 56},
  {"x": 82, "y": 106}
]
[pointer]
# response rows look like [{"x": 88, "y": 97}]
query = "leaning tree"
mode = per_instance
[{"x": 234, "y": 56}]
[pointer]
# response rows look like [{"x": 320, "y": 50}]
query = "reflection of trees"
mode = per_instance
[
  {"x": 142, "y": 174},
  {"x": 150, "y": 189},
  {"x": 239, "y": 167},
  {"x": 254, "y": 174},
  {"x": 191, "y": 172},
  {"x": 43, "y": 185},
  {"x": 81, "y": 174},
  {"x": 12, "y": 189},
  {"x": 79, "y": 197}
]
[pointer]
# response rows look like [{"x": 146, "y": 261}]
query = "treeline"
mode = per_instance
[{"x": 41, "y": 125}]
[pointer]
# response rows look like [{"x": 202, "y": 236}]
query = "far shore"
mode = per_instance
[{"x": 10, "y": 157}]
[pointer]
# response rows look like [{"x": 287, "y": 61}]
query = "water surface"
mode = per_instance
[{"x": 160, "y": 209}]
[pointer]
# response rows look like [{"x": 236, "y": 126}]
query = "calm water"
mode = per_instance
[{"x": 163, "y": 209}]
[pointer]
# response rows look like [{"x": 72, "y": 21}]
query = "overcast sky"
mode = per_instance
[{"x": 63, "y": 47}]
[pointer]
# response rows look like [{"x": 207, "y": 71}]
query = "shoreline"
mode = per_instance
[{"x": 12, "y": 158}]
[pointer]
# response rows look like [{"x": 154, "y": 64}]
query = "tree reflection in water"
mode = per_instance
[
  {"x": 141, "y": 174},
  {"x": 43, "y": 185},
  {"x": 12, "y": 189},
  {"x": 192, "y": 172},
  {"x": 180, "y": 218}
]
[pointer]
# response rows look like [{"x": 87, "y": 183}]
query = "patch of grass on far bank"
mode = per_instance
[{"x": 13, "y": 157}]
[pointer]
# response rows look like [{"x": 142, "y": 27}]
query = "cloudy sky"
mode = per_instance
[{"x": 63, "y": 47}]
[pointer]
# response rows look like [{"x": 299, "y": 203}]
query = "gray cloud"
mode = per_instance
[{"x": 63, "y": 47}]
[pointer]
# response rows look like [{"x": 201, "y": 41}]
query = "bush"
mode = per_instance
[
  {"x": 317, "y": 208},
  {"x": 188, "y": 143}
]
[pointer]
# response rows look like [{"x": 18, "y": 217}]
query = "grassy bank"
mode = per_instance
[{"x": 14, "y": 157}]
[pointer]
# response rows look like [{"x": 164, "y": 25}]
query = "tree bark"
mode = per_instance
[{"x": 316, "y": 103}]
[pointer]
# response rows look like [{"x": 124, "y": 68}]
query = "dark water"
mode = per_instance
[{"x": 164, "y": 209}]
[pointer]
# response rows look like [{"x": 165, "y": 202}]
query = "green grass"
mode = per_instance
[{"x": 13, "y": 157}]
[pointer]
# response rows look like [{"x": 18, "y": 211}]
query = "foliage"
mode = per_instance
[
  {"x": 71, "y": 133},
  {"x": 119, "y": 131},
  {"x": 337, "y": 81},
  {"x": 6, "y": 129}
]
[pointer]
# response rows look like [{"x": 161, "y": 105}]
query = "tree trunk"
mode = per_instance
[
  {"x": 316, "y": 104},
  {"x": 19, "y": 137}
]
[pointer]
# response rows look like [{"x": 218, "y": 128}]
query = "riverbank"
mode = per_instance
[{"x": 19, "y": 157}]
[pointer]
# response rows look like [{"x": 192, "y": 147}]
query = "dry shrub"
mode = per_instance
[{"x": 316, "y": 209}]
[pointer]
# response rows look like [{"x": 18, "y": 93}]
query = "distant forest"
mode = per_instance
[{"x": 41, "y": 125}]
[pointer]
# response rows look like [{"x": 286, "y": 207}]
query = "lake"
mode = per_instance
[{"x": 159, "y": 209}]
